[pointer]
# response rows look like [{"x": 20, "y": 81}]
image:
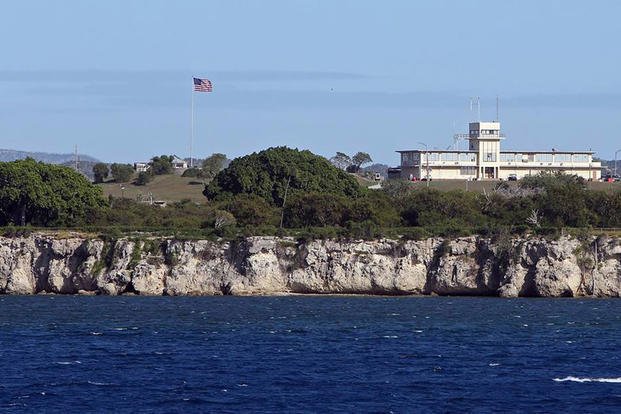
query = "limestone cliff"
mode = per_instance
[{"x": 266, "y": 265}]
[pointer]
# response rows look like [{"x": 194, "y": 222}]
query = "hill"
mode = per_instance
[
  {"x": 68, "y": 160},
  {"x": 168, "y": 188},
  {"x": 47, "y": 157}
]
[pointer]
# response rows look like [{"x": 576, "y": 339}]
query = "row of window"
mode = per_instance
[{"x": 517, "y": 157}]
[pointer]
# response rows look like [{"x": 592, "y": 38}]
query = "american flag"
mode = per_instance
[{"x": 202, "y": 85}]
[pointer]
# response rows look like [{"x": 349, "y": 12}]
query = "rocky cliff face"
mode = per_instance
[{"x": 267, "y": 265}]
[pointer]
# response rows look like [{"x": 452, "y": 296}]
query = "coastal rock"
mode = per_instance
[{"x": 73, "y": 264}]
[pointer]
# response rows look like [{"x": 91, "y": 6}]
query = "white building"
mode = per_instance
[
  {"x": 485, "y": 161},
  {"x": 141, "y": 166},
  {"x": 178, "y": 163}
]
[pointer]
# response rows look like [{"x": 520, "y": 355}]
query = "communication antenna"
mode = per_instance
[
  {"x": 76, "y": 160},
  {"x": 476, "y": 101},
  {"x": 497, "y": 109}
]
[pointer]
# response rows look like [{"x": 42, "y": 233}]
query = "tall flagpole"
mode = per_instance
[{"x": 192, "y": 127}]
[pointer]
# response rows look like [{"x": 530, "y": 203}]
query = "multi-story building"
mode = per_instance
[{"x": 485, "y": 161}]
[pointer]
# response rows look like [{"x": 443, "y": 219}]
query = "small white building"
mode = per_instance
[
  {"x": 485, "y": 161},
  {"x": 178, "y": 163},
  {"x": 141, "y": 166}
]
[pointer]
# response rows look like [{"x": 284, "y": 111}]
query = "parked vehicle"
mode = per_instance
[{"x": 512, "y": 177}]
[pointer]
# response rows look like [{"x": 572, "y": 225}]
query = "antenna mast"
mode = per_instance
[
  {"x": 476, "y": 101},
  {"x": 76, "y": 160}
]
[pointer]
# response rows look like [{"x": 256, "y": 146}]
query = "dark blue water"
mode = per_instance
[{"x": 309, "y": 354}]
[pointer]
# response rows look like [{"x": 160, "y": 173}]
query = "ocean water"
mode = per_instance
[{"x": 309, "y": 354}]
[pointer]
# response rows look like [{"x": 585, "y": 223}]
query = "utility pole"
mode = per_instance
[
  {"x": 76, "y": 160},
  {"x": 284, "y": 200},
  {"x": 615, "y": 166},
  {"x": 427, "y": 156}
]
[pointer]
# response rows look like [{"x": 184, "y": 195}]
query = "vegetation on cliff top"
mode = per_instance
[
  {"x": 274, "y": 172},
  {"x": 248, "y": 198},
  {"x": 46, "y": 195}
]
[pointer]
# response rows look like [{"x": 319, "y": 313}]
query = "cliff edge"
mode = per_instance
[{"x": 267, "y": 265}]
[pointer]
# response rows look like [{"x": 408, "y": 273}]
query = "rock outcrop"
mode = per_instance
[{"x": 43, "y": 263}]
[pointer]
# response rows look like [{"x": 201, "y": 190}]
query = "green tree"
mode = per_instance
[
  {"x": 269, "y": 173},
  {"x": 252, "y": 210},
  {"x": 213, "y": 164},
  {"x": 121, "y": 173},
  {"x": 161, "y": 165},
  {"x": 46, "y": 195},
  {"x": 100, "y": 171},
  {"x": 316, "y": 210},
  {"x": 144, "y": 177},
  {"x": 341, "y": 160},
  {"x": 361, "y": 158}
]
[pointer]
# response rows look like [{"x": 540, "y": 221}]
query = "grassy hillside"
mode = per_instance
[{"x": 164, "y": 187}]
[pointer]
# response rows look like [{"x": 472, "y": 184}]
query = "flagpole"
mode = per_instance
[{"x": 192, "y": 126}]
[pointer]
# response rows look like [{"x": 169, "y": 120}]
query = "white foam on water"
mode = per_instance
[
  {"x": 390, "y": 336},
  {"x": 493, "y": 364},
  {"x": 67, "y": 362},
  {"x": 96, "y": 333},
  {"x": 418, "y": 330},
  {"x": 101, "y": 384},
  {"x": 588, "y": 379}
]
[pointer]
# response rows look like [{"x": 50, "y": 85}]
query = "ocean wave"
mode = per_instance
[
  {"x": 587, "y": 379},
  {"x": 99, "y": 384},
  {"x": 67, "y": 362}
]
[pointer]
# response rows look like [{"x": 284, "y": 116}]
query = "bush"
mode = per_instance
[
  {"x": 252, "y": 210},
  {"x": 315, "y": 210},
  {"x": 144, "y": 177}
]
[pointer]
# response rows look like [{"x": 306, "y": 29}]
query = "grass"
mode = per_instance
[{"x": 168, "y": 188}]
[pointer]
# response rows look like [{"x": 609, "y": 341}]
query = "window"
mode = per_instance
[
  {"x": 467, "y": 170},
  {"x": 507, "y": 157},
  {"x": 433, "y": 156},
  {"x": 562, "y": 157},
  {"x": 467, "y": 157},
  {"x": 449, "y": 156},
  {"x": 582, "y": 158},
  {"x": 543, "y": 157},
  {"x": 490, "y": 156}
]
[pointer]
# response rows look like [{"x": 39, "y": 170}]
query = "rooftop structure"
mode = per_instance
[{"x": 485, "y": 161}]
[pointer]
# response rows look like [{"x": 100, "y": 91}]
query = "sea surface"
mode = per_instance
[{"x": 309, "y": 354}]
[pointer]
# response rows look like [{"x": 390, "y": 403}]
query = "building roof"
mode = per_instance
[
  {"x": 443, "y": 151},
  {"x": 502, "y": 152}
]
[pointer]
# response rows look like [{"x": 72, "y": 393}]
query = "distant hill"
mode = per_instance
[
  {"x": 85, "y": 165},
  {"x": 50, "y": 158},
  {"x": 377, "y": 168}
]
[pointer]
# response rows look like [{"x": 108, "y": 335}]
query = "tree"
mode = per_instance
[
  {"x": 252, "y": 210},
  {"x": 100, "y": 171},
  {"x": 46, "y": 195},
  {"x": 144, "y": 177},
  {"x": 360, "y": 159},
  {"x": 341, "y": 160},
  {"x": 316, "y": 210},
  {"x": 269, "y": 173},
  {"x": 161, "y": 165},
  {"x": 213, "y": 164},
  {"x": 121, "y": 173}
]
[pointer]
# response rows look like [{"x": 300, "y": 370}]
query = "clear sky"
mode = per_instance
[{"x": 114, "y": 76}]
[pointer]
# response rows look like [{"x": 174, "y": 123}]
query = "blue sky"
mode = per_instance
[{"x": 114, "y": 76}]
